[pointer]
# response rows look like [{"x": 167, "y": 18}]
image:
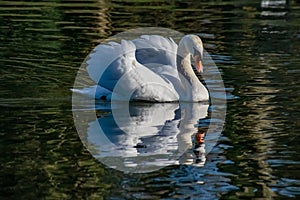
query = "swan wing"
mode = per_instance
[
  {"x": 158, "y": 54},
  {"x": 155, "y": 49},
  {"x": 113, "y": 66},
  {"x": 109, "y": 62}
]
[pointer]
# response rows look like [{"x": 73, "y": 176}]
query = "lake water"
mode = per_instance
[{"x": 256, "y": 47}]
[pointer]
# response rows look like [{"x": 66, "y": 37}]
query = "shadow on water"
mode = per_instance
[{"x": 255, "y": 44}]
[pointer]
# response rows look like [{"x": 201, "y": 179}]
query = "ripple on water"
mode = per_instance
[
  {"x": 255, "y": 44},
  {"x": 287, "y": 187}
]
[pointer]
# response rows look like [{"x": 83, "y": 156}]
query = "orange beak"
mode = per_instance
[{"x": 198, "y": 64}]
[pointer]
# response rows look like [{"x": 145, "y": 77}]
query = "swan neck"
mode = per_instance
[
  {"x": 183, "y": 62},
  {"x": 192, "y": 88}
]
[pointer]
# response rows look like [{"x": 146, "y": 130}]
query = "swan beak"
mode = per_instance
[{"x": 198, "y": 64}]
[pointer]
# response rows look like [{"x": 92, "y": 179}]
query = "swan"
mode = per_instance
[{"x": 150, "y": 68}]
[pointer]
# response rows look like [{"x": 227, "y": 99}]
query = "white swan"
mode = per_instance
[{"x": 151, "y": 68}]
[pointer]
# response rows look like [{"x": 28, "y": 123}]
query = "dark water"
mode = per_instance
[{"x": 255, "y": 44}]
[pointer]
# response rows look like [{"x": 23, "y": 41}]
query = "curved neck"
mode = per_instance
[{"x": 192, "y": 88}]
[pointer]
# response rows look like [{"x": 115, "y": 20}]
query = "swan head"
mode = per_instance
[{"x": 192, "y": 45}]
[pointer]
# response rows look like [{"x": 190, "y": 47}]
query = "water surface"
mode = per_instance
[{"x": 256, "y": 46}]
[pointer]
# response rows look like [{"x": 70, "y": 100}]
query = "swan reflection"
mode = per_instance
[{"x": 144, "y": 136}]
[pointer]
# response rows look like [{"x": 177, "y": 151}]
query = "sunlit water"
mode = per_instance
[{"x": 255, "y": 45}]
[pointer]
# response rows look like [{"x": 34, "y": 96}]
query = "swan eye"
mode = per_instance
[{"x": 198, "y": 54}]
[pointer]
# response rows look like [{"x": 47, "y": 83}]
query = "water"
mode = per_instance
[{"x": 255, "y": 45}]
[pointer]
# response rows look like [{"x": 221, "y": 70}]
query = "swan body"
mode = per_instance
[{"x": 150, "y": 68}]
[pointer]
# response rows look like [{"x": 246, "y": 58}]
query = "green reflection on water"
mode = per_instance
[{"x": 42, "y": 155}]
